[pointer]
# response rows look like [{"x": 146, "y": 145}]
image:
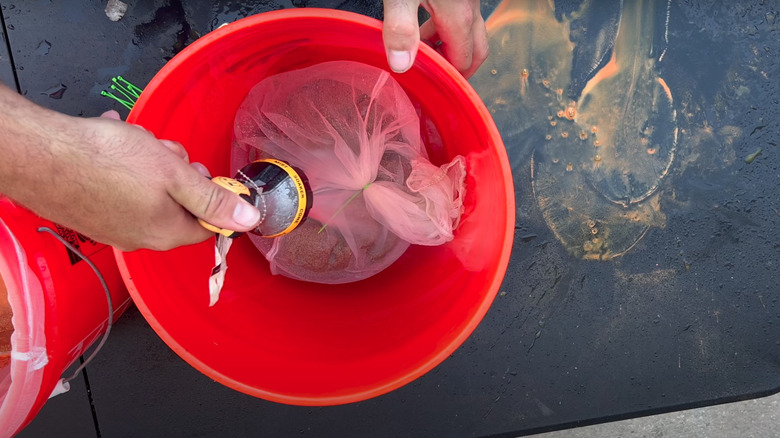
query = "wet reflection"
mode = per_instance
[
  {"x": 598, "y": 158},
  {"x": 630, "y": 107},
  {"x": 529, "y": 66}
]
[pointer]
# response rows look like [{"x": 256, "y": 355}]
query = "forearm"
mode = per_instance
[
  {"x": 60, "y": 167},
  {"x": 110, "y": 180},
  {"x": 30, "y": 146}
]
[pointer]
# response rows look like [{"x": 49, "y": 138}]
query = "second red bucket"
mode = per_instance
[
  {"x": 302, "y": 343},
  {"x": 53, "y": 307}
]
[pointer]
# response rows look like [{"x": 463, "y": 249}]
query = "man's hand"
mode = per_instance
[
  {"x": 456, "y": 24},
  {"x": 110, "y": 180}
]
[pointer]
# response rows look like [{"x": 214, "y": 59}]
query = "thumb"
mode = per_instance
[
  {"x": 401, "y": 33},
  {"x": 212, "y": 203}
]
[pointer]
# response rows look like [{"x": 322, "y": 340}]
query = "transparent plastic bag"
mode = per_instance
[{"x": 355, "y": 134}]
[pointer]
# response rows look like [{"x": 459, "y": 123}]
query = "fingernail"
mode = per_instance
[
  {"x": 203, "y": 170},
  {"x": 176, "y": 148},
  {"x": 111, "y": 114},
  {"x": 399, "y": 61},
  {"x": 246, "y": 215}
]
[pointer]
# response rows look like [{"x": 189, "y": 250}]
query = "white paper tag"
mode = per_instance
[
  {"x": 60, "y": 388},
  {"x": 217, "y": 278}
]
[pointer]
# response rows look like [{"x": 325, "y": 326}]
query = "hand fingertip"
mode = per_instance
[
  {"x": 176, "y": 147},
  {"x": 111, "y": 114},
  {"x": 172, "y": 145},
  {"x": 400, "y": 61},
  {"x": 401, "y": 33},
  {"x": 203, "y": 170}
]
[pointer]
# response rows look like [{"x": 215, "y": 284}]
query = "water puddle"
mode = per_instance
[
  {"x": 597, "y": 158},
  {"x": 43, "y": 48},
  {"x": 168, "y": 29},
  {"x": 56, "y": 92},
  {"x": 628, "y": 108},
  {"x": 529, "y": 66}
]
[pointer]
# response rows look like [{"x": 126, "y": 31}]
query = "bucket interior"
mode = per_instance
[{"x": 304, "y": 343}]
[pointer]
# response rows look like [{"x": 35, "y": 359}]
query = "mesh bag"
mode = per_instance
[{"x": 355, "y": 134}]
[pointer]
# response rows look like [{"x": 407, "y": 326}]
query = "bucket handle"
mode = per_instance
[{"x": 63, "y": 385}]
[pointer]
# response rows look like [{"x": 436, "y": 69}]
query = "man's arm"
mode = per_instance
[{"x": 109, "y": 180}]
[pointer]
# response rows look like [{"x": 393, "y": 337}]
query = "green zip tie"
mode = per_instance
[
  {"x": 129, "y": 92},
  {"x": 351, "y": 198}
]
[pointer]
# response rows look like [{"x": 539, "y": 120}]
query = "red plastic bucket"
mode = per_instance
[
  {"x": 59, "y": 309},
  {"x": 303, "y": 343}
]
